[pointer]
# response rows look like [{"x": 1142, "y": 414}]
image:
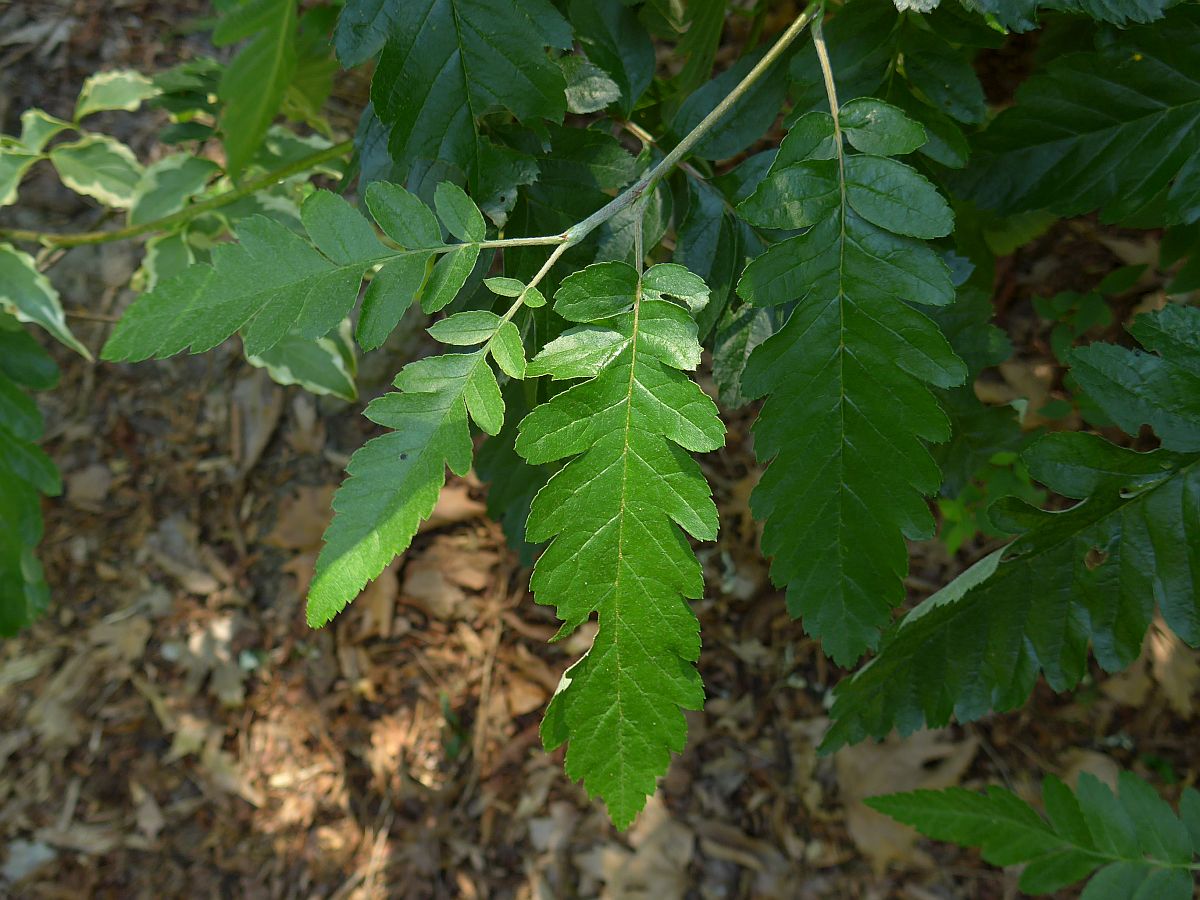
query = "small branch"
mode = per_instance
[
  {"x": 77, "y": 239},
  {"x": 688, "y": 169},
  {"x": 501, "y": 243},
  {"x": 563, "y": 246},
  {"x": 631, "y": 194},
  {"x": 648, "y": 140}
]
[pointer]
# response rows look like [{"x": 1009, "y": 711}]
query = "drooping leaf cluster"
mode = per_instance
[{"x": 828, "y": 274}]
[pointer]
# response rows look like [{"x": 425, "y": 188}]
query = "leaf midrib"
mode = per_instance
[{"x": 621, "y": 511}]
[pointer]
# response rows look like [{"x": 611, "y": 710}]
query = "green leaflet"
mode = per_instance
[
  {"x": 274, "y": 283},
  {"x": 611, "y": 514},
  {"x": 1092, "y": 573},
  {"x": 1162, "y": 391},
  {"x": 705, "y": 24},
  {"x": 1079, "y": 135},
  {"x": 849, "y": 408},
  {"x": 253, "y": 85},
  {"x": 617, "y": 42},
  {"x": 746, "y": 122},
  {"x": 25, "y": 474},
  {"x": 1021, "y": 15},
  {"x": 1135, "y": 840},
  {"x": 512, "y": 482},
  {"x": 469, "y": 58},
  {"x": 14, "y": 163},
  {"x": 713, "y": 243}
]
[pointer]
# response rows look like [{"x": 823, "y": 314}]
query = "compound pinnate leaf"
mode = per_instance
[
  {"x": 1132, "y": 842},
  {"x": 274, "y": 281},
  {"x": 1089, "y": 575},
  {"x": 611, "y": 514},
  {"x": 394, "y": 480},
  {"x": 1076, "y": 138},
  {"x": 848, "y": 377}
]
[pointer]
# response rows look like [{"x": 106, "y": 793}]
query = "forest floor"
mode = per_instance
[{"x": 174, "y": 729}]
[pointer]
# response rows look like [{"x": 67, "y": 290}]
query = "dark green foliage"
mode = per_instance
[
  {"x": 26, "y": 473},
  {"x": 1090, "y": 575},
  {"x": 520, "y": 150},
  {"x": 1115, "y": 129},
  {"x": 1131, "y": 844}
]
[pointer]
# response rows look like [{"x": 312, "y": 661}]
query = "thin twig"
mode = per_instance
[
  {"x": 90, "y": 316},
  {"x": 631, "y": 194},
  {"x": 80, "y": 238}
]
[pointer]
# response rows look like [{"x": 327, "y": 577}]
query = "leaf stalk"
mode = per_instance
[{"x": 634, "y": 192}]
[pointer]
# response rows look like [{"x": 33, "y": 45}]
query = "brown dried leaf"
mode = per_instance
[
  {"x": 428, "y": 587},
  {"x": 924, "y": 760},
  {"x": 1175, "y": 667},
  {"x": 302, "y": 519},
  {"x": 88, "y": 487},
  {"x": 257, "y": 404},
  {"x": 147, "y": 814},
  {"x": 454, "y": 505},
  {"x": 376, "y": 605},
  {"x": 1078, "y": 760},
  {"x": 306, "y": 433},
  {"x": 175, "y": 547}
]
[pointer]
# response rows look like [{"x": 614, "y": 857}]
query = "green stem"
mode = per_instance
[
  {"x": 77, "y": 239},
  {"x": 631, "y": 194}
]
